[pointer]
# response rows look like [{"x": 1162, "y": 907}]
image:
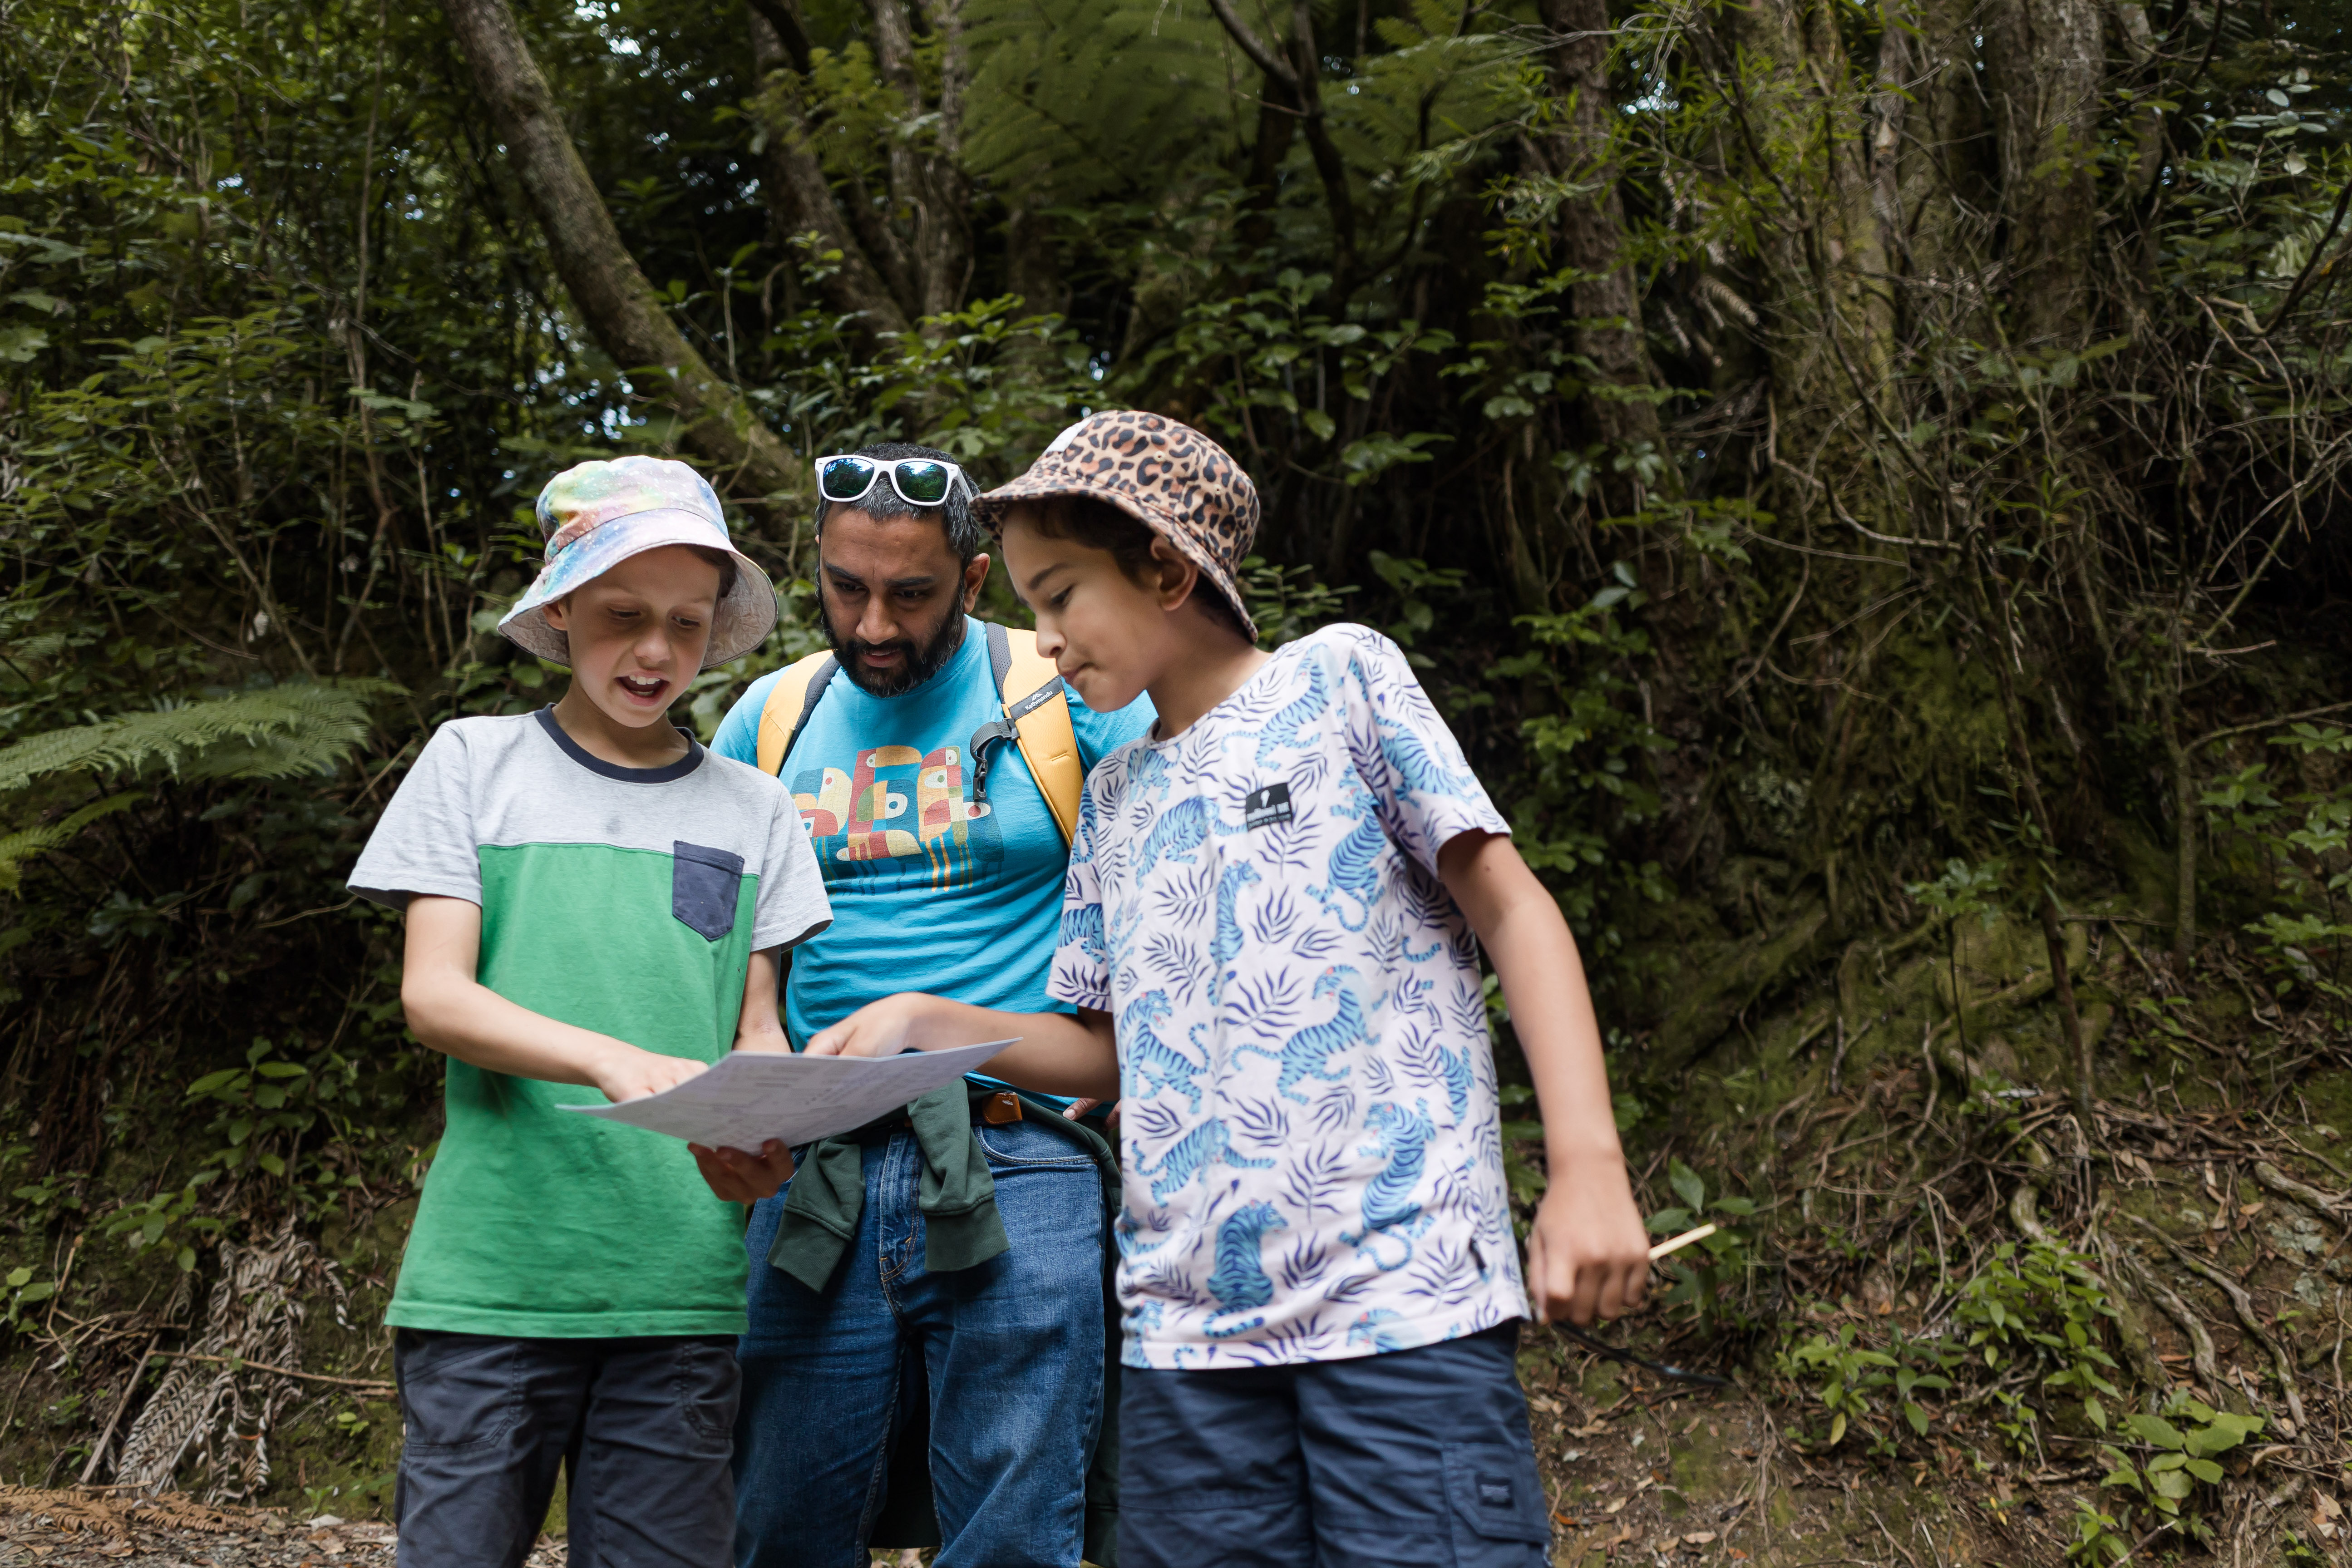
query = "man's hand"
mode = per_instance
[
  {"x": 741, "y": 1178},
  {"x": 1588, "y": 1253},
  {"x": 881, "y": 1028},
  {"x": 627, "y": 1073},
  {"x": 1057, "y": 1053}
]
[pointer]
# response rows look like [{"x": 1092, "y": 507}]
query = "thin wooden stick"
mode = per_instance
[
  {"x": 1677, "y": 1243},
  {"x": 279, "y": 1371},
  {"x": 129, "y": 1390}
]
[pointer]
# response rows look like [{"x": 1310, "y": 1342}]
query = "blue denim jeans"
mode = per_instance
[{"x": 1012, "y": 1349}]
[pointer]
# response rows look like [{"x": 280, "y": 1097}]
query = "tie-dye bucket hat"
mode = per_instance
[
  {"x": 597, "y": 515},
  {"x": 1165, "y": 475}
]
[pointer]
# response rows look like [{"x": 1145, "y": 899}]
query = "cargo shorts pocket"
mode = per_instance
[
  {"x": 1498, "y": 1503},
  {"x": 458, "y": 1393},
  {"x": 703, "y": 885},
  {"x": 709, "y": 1386}
]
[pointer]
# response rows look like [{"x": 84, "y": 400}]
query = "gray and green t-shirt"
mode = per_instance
[{"x": 626, "y": 900}]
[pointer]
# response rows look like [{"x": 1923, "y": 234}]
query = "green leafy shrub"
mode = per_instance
[{"x": 2172, "y": 1457}]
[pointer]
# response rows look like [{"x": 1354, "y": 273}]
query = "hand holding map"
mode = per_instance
[{"x": 749, "y": 1097}]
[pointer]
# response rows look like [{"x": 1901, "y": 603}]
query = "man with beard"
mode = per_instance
[{"x": 947, "y": 1264}]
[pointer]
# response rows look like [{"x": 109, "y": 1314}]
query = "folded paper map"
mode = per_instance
[{"x": 749, "y": 1097}]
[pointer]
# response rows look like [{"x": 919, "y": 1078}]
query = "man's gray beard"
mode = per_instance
[{"x": 923, "y": 662}]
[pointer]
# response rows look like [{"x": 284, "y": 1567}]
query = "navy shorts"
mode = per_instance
[
  {"x": 643, "y": 1426},
  {"x": 1418, "y": 1456}
]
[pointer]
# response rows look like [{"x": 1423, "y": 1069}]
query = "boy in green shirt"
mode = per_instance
[{"x": 595, "y": 906}]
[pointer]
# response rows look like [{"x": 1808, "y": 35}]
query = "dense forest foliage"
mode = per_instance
[{"x": 1865, "y": 480}]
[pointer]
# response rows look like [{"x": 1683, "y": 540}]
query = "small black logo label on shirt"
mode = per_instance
[{"x": 1265, "y": 808}]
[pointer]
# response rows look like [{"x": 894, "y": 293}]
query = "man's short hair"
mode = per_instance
[{"x": 965, "y": 536}]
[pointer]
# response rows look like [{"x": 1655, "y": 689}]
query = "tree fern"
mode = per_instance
[
  {"x": 269, "y": 732},
  {"x": 272, "y": 731},
  {"x": 15, "y": 848},
  {"x": 1073, "y": 100}
]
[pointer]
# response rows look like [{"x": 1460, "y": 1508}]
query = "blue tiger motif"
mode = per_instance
[
  {"x": 1191, "y": 1155},
  {"x": 1282, "y": 729},
  {"x": 1355, "y": 870},
  {"x": 1455, "y": 1067},
  {"x": 1389, "y": 1209},
  {"x": 1306, "y": 1054},
  {"x": 1182, "y": 829},
  {"x": 1083, "y": 924},
  {"x": 1240, "y": 1283},
  {"x": 1158, "y": 1062},
  {"x": 1147, "y": 770},
  {"x": 1367, "y": 1330},
  {"x": 1226, "y": 945},
  {"x": 1417, "y": 772}
]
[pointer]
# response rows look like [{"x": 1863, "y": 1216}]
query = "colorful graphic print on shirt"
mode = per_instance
[
  {"x": 1311, "y": 1132},
  {"x": 901, "y": 815}
]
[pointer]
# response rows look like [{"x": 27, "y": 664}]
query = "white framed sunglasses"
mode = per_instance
[{"x": 846, "y": 477}]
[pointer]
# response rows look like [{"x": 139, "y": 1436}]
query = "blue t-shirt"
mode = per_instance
[{"x": 930, "y": 890}]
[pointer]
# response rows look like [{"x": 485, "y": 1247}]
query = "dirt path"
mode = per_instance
[{"x": 77, "y": 1529}]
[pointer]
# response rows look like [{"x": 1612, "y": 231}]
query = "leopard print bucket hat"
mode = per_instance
[{"x": 1165, "y": 475}]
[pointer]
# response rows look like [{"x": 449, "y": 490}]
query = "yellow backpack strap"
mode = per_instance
[
  {"x": 790, "y": 702},
  {"x": 1036, "y": 707}
]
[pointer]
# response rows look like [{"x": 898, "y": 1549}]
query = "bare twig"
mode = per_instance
[
  {"x": 129, "y": 1390},
  {"x": 376, "y": 1384}
]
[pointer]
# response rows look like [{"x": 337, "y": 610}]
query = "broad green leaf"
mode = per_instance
[{"x": 1686, "y": 1185}]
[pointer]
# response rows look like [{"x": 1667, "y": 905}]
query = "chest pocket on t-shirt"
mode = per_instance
[{"x": 703, "y": 885}]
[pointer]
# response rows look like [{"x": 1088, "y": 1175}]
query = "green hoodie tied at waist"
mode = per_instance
[{"x": 956, "y": 1196}]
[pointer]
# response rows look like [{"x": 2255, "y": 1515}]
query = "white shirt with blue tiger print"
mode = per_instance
[{"x": 1314, "y": 1160}]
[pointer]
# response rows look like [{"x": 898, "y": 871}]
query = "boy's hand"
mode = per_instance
[
  {"x": 741, "y": 1178},
  {"x": 881, "y": 1028},
  {"x": 629, "y": 1073},
  {"x": 1588, "y": 1252}
]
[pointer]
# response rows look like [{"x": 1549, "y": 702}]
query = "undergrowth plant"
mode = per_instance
[{"x": 2026, "y": 1334}]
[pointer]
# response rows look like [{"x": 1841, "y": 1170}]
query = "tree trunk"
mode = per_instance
[
  {"x": 907, "y": 251},
  {"x": 2184, "y": 829},
  {"x": 1608, "y": 323},
  {"x": 927, "y": 186},
  {"x": 1293, "y": 74},
  {"x": 2043, "y": 62},
  {"x": 605, "y": 284},
  {"x": 1829, "y": 324},
  {"x": 800, "y": 199},
  {"x": 1032, "y": 261}
]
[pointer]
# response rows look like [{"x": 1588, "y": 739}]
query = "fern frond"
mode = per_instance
[
  {"x": 1073, "y": 100},
  {"x": 15, "y": 848},
  {"x": 274, "y": 732}
]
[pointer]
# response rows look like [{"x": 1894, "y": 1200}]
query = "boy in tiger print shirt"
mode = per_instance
[{"x": 1274, "y": 908}]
